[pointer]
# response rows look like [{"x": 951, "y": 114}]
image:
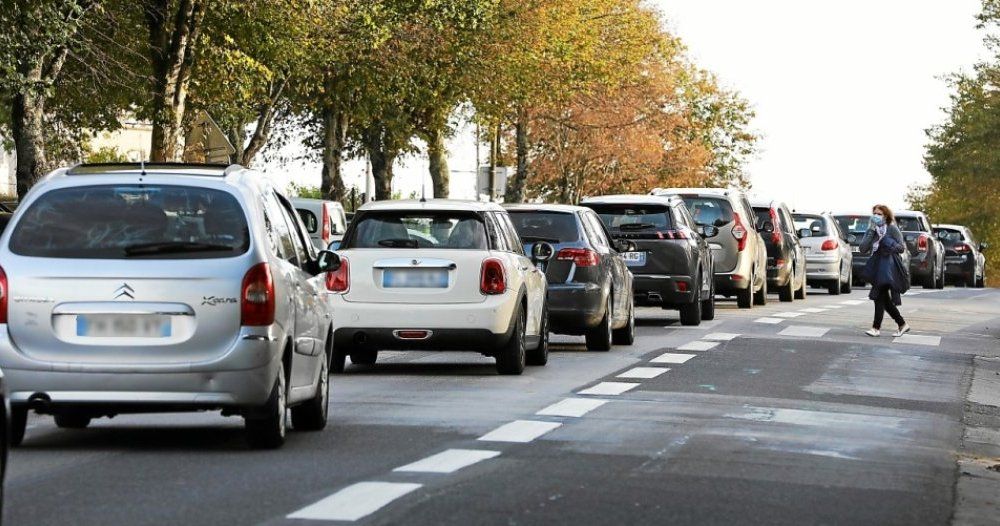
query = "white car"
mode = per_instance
[
  {"x": 438, "y": 275},
  {"x": 829, "y": 258},
  {"x": 324, "y": 220}
]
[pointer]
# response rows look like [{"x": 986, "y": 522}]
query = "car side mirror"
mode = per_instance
[
  {"x": 327, "y": 262},
  {"x": 983, "y": 246},
  {"x": 625, "y": 245},
  {"x": 709, "y": 230},
  {"x": 767, "y": 227},
  {"x": 333, "y": 246},
  {"x": 805, "y": 232},
  {"x": 541, "y": 251}
]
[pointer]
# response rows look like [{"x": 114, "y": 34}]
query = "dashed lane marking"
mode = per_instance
[
  {"x": 812, "y": 310},
  {"x": 672, "y": 358},
  {"x": 609, "y": 388},
  {"x": 828, "y": 307},
  {"x": 448, "y": 461},
  {"x": 803, "y": 331},
  {"x": 916, "y": 339},
  {"x": 697, "y": 345},
  {"x": 720, "y": 336},
  {"x": 355, "y": 501},
  {"x": 521, "y": 431},
  {"x": 700, "y": 327},
  {"x": 852, "y": 302},
  {"x": 770, "y": 321},
  {"x": 789, "y": 314},
  {"x": 572, "y": 407},
  {"x": 643, "y": 372}
]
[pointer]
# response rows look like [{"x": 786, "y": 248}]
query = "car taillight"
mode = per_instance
[
  {"x": 492, "y": 279},
  {"x": 580, "y": 257},
  {"x": 339, "y": 280},
  {"x": 672, "y": 234},
  {"x": 4, "y": 294},
  {"x": 922, "y": 242},
  {"x": 829, "y": 244},
  {"x": 962, "y": 248},
  {"x": 326, "y": 226},
  {"x": 257, "y": 297},
  {"x": 740, "y": 233},
  {"x": 775, "y": 235}
]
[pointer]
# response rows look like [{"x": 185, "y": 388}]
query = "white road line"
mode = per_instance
[
  {"x": 852, "y": 302},
  {"x": 573, "y": 407},
  {"x": 643, "y": 372},
  {"x": 700, "y": 327},
  {"x": 833, "y": 307},
  {"x": 672, "y": 358},
  {"x": 355, "y": 501},
  {"x": 812, "y": 310},
  {"x": 770, "y": 321},
  {"x": 697, "y": 345},
  {"x": 448, "y": 461},
  {"x": 609, "y": 388},
  {"x": 519, "y": 431},
  {"x": 720, "y": 336},
  {"x": 789, "y": 314},
  {"x": 803, "y": 331},
  {"x": 916, "y": 339}
]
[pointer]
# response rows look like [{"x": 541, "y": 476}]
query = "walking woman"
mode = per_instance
[{"x": 885, "y": 270}]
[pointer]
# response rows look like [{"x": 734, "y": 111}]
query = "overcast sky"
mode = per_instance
[{"x": 843, "y": 90}]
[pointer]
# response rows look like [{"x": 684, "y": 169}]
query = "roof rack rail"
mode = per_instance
[{"x": 201, "y": 168}]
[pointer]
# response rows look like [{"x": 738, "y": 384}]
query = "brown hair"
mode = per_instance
[{"x": 889, "y": 218}]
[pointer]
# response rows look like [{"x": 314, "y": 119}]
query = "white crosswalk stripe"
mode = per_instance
[
  {"x": 672, "y": 358},
  {"x": 519, "y": 431},
  {"x": 803, "y": 331},
  {"x": 609, "y": 388},
  {"x": 643, "y": 372},
  {"x": 770, "y": 321},
  {"x": 789, "y": 314},
  {"x": 355, "y": 501},
  {"x": 572, "y": 407},
  {"x": 697, "y": 345},
  {"x": 448, "y": 461},
  {"x": 813, "y": 310},
  {"x": 720, "y": 336}
]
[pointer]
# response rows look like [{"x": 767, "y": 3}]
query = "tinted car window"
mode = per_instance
[
  {"x": 910, "y": 224},
  {"x": 853, "y": 224},
  {"x": 595, "y": 231},
  {"x": 709, "y": 210},
  {"x": 814, "y": 223},
  {"x": 132, "y": 221},
  {"x": 308, "y": 219},
  {"x": 405, "y": 229},
  {"x": 551, "y": 227},
  {"x": 634, "y": 218},
  {"x": 513, "y": 240},
  {"x": 764, "y": 216},
  {"x": 949, "y": 236}
]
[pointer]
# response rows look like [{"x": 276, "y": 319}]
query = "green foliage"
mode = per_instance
[
  {"x": 305, "y": 191},
  {"x": 105, "y": 154}
]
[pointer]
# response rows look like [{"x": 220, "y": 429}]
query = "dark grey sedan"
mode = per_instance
[{"x": 590, "y": 287}]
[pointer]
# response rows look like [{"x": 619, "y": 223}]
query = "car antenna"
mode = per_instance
[
  {"x": 142, "y": 167},
  {"x": 423, "y": 192}
]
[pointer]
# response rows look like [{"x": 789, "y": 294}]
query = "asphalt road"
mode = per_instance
[{"x": 804, "y": 420}]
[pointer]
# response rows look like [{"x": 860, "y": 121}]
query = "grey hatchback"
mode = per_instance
[{"x": 148, "y": 288}]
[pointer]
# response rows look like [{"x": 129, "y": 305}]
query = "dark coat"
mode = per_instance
[{"x": 885, "y": 268}]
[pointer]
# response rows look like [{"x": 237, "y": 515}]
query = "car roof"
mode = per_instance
[
  {"x": 720, "y": 192},
  {"x": 634, "y": 199},
  {"x": 953, "y": 227},
  {"x": 430, "y": 204},
  {"x": 765, "y": 203},
  {"x": 545, "y": 207},
  {"x": 313, "y": 201},
  {"x": 87, "y": 174},
  {"x": 910, "y": 213}
]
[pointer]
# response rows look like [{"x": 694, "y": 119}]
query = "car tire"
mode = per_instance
[
  {"x": 691, "y": 312},
  {"x": 626, "y": 334},
  {"x": 540, "y": 354},
  {"x": 787, "y": 293},
  {"x": 311, "y": 415},
  {"x": 744, "y": 297},
  {"x": 364, "y": 357},
  {"x": 268, "y": 431},
  {"x": 599, "y": 338},
  {"x": 801, "y": 293},
  {"x": 930, "y": 281},
  {"x": 708, "y": 306},
  {"x": 71, "y": 421},
  {"x": 511, "y": 357},
  {"x": 338, "y": 358},
  {"x": 834, "y": 287},
  {"x": 940, "y": 282},
  {"x": 18, "y": 425},
  {"x": 981, "y": 280},
  {"x": 760, "y": 297},
  {"x": 846, "y": 286}
]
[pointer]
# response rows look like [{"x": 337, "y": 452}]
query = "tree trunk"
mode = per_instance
[
  {"x": 515, "y": 184},
  {"x": 265, "y": 122},
  {"x": 27, "y": 127},
  {"x": 237, "y": 135},
  {"x": 437, "y": 156},
  {"x": 172, "y": 45},
  {"x": 334, "y": 135},
  {"x": 381, "y": 159}
]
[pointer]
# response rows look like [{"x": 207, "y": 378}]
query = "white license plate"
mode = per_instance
[
  {"x": 123, "y": 326},
  {"x": 856, "y": 250},
  {"x": 415, "y": 278},
  {"x": 634, "y": 259}
]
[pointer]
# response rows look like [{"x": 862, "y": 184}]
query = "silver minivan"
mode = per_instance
[{"x": 148, "y": 288}]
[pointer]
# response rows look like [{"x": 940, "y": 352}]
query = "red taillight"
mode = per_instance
[
  {"x": 492, "y": 279},
  {"x": 740, "y": 233},
  {"x": 326, "y": 226},
  {"x": 682, "y": 286},
  {"x": 339, "y": 280},
  {"x": 962, "y": 248},
  {"x": 581, "y": 257},
  {"x": 922, "y": 242},
  {"x": 672, "y": 234},
  {"x": 775, "y": 235},
  {"x": 257, "y": 297},
  {"x": 4, "y": 294},
  {"x": 829, "y": 244}
]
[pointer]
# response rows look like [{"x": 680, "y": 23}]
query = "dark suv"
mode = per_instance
[
  {"x": 590, "y": 287},
  {"x": 672, "y": 263},
  {"x": 926, "y": 251},
  {"x": 963, "y": 256},
  {"x": 786, "y": 260}
]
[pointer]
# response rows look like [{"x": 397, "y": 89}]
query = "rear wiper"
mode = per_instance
[
  {"x": 172, "y": 247},
  {"x": 636, "y": 226},
  {"x": 536, "y": 239},
  {"x": 398, "y": 243}
]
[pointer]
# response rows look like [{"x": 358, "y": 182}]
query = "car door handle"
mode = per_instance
[{"x": 524, "y": 268}]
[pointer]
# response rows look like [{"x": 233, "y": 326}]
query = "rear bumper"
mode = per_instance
[
  {"x": 921, "y": 266},
  {"x": 575, "y": 307},
  {"x": 727, "y": 282},
  {"x": 822, "y": 270},
  {"x": 959, "y": 266},
  {"x": 242, "y": 377},
  {"x": 659, "y": 289},
  {"x": 378, "y": 338},
  {"x": 779, "y": 277}
]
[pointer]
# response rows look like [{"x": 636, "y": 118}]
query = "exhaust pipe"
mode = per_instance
[
  {"x": 360, "y": 338},
  {"x": 654, "y": 296}
]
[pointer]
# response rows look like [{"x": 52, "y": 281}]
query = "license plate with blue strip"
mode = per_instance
[
  {"x": 123, "y": 326},
  {"x": 634, "y": 259},
  {"x": 416, "y": 278}
]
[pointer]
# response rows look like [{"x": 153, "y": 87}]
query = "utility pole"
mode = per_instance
[{"x": 494, "y": 154}]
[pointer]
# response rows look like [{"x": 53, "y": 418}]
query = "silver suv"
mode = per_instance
[{"x": 146, "y": 288}]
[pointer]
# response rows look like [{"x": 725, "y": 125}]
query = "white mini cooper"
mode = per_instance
[{"x": 438, "y": 275}]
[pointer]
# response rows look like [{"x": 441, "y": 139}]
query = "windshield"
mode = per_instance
[
  {"x": 709, "y": 210},
  {"x": 631, "y": 218},
  {"x": 405, "y": 229},
  {"x": 122, "y": 221},
  {"x": 551, "y": 227},
  {"x": 853, "y": 224},
  {"x": 813, "y": 223}
]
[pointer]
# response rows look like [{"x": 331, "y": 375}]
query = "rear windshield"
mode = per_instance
[
  {"x": 764, "y": 216},
  {"x": 949, "y": 236},
  {"x": 405, "y": 229},
  {"x": 813, "y": 223},
  {"x": 634, "y": 218},
  {"x": 550, "y": 227},
  {"x": 709, "y": 210},
  {"x": 909, "y": 224},
  {"x": 132, "y": 221},
  {"x": 853, "y": 224}
]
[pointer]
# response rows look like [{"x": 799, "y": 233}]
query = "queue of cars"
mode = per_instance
[{"x": 129, "y": 288}]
